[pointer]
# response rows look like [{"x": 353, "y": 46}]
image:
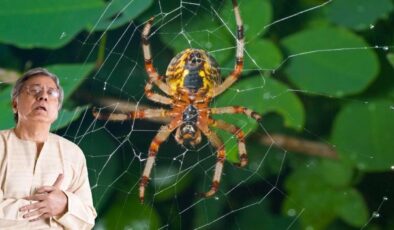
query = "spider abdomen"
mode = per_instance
[
  {"x": 190, "y": 115},
  {"x": 193, "y": 69},
  {"x": 193, "y": 81},
  {"x": 188, "y": 133}
]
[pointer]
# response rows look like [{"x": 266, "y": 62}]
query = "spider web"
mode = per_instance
[{"x": 180, "y": 173}]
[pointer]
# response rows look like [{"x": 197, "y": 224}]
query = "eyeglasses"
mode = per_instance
[{"x": 36, "y": 90}]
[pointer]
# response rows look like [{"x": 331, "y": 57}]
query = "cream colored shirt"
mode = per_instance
[{"x": 22, "y": 172}]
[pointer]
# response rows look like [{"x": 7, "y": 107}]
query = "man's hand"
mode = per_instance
[{"x": 51, "y": 201}]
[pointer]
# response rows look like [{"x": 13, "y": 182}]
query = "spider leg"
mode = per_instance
[
  {"x": 160, "y": 137},
  {"x": 154, "y": 77},
  {"x": 239, "y": 134},
  {"x": 139, "y": 114},
  {"x": 155, "y": 96},
  {"x": 221, "y": 157},
  {"x": 236, "y": 109},
  {"x": 239, "y": 55}
]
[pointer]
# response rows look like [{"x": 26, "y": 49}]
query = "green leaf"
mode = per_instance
[
  {"x": 71, "y": 76},
  {"x": 352, "y": 208},
  {"x": 206, "y": 212},
  {"x": 262, "y": 55},
  {"x": 168, "y": 182},
  {"x": 103, "y": 171},
  {"x": 362, "y": 135},
  {"x": 336, "y": 173},
  {"x": 390, "y": 58},
  {"x": 268, "y": 95},
  {"x": 128, "y": 213},
  {"x": 45, "y": 23},
  {"x": 310, "y": 198},
  {"x": 203, "y": 32},
  {"x": 7, "y": 116},
  {"x": 262, "y": 95},
  {"x": 330, "y": 61},
  {"x": 120, "y": 12},
  {"x": 320, "y": 199},
  {"x": 258, "y": 212},
  {"x": 364, "y": 13},
  {"x": 66, "y": 116},
  {"x": 253, "y": 23}
]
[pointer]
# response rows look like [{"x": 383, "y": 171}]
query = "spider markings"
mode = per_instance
[
  {"x": 192, "y": 80},
  {"x": 188, "y": 134},
  {"x": 193, "y": 69}
]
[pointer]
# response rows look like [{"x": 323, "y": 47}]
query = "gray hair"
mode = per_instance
[{"x": 20, "y": 83}]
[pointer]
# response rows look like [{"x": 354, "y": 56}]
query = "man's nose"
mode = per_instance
[{"x": 43, "y": 96}]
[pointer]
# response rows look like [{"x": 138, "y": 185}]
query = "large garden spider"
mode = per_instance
[{"x": 192, "y": 80}]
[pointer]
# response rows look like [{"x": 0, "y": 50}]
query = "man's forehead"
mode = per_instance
[{"x": 41, "y": 80}]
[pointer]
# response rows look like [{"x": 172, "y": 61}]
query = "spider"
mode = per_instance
[{"x": 192, "y": 80}]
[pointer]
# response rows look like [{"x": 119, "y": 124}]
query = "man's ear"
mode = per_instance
[{"x": 14, "y": 105}]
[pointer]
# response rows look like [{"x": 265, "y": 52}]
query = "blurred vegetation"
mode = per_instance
[{"x": 320, "y": 78}]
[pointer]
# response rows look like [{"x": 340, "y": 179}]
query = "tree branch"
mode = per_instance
[
  {"x": 8, "y": 76},
  {"x": 113, "y": 105},
  {"x": 300, "y": 145}
]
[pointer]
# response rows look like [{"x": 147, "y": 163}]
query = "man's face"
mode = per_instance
[{"x": 38, "y": 101}]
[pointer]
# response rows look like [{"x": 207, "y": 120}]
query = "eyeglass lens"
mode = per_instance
[{"x": 36, "y": 90}]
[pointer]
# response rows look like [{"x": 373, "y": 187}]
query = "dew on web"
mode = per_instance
[
  {"x": 375, "y": 215},
  {"x": 291, "y": 212}
]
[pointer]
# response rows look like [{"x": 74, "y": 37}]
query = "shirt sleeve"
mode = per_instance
[{"x": 80, "y": 211}]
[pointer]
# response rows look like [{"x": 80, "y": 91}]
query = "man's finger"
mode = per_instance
[
  {"x": 45, "y": 189},
  {"x": 58, "y": 181},
  {"x": 36, "y": 214},
  {"x": 35, "y": 219},
  {"x": 43, "y": 216},
  {"x": 37, "y": 196},
  {"x": 31, "y": 207}
]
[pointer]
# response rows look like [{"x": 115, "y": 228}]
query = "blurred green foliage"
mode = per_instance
[{"x": 325, "y": 75}]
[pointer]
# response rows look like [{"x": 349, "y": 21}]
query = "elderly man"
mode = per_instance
[{"x": 43, "y": 177}]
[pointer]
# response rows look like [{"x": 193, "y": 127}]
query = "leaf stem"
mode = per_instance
[
  {"x": 300, "y": 145},
  {"x": 101, "y": 51}
]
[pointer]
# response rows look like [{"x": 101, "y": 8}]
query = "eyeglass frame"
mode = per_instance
[{"x": 41, "y": 90}]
